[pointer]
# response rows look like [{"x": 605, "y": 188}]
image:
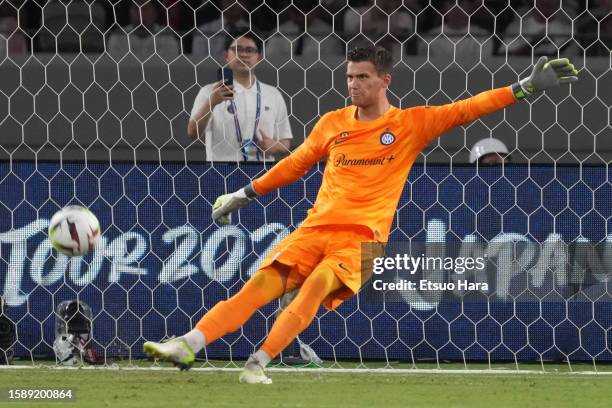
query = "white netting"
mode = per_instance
[{"x": 95, "y": 110}]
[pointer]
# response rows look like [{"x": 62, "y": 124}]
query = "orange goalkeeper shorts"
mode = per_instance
[{"x": 337, "y": 247}]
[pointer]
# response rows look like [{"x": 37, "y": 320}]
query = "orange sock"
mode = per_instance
[
  {"x": 229, "y": 315},
  {"x": 300, "y": 313}
]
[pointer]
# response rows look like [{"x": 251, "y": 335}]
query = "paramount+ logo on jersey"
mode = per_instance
[{"x": 340, "y": 160}]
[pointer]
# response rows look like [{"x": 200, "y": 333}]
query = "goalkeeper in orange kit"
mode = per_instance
[{"x": 370, "y": 147}]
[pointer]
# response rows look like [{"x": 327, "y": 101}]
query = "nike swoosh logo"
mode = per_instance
[
  {"x": 341, "y": 265},
  {"x": 338, "y": 141}
]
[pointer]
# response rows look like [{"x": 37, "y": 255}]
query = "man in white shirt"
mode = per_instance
[{"x": 246, "y": 121}]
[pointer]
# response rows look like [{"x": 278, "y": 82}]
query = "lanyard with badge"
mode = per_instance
[{"x": 249, "y": 148}]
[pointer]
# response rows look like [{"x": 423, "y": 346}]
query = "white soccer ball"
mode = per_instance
[{"x": 74, "y": 230}]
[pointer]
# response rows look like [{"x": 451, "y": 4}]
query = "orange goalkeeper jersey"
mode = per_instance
[{"x": 369, "y": 161}]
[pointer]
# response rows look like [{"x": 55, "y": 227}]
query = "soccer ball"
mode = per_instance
[{"x": 74, "y": 230}]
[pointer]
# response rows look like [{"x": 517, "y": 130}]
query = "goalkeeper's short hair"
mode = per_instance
[{"x": 377, "y": 55}]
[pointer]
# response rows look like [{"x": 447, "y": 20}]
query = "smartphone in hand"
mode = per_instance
[{"x": 226, "y": 75}]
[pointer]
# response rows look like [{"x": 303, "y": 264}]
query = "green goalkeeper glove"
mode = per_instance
[
  {"x": 546, "y": 74},
  {"x": 228, "y": 203}
]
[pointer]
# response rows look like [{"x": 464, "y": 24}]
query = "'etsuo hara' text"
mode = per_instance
[{"x": 427, "y": 285}]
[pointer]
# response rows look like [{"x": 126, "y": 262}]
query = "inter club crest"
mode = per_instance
[{"x": 387, "y": 138}]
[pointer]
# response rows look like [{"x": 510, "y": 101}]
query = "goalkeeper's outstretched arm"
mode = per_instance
[
  {"x": 285, "y": 172},
  {"x": 436, "y": 120}
]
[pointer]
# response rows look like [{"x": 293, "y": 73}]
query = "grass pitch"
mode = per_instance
[{"x": 156, "y": 388}]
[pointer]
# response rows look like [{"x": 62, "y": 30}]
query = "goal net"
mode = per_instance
[{"x": 95, "y": 99}]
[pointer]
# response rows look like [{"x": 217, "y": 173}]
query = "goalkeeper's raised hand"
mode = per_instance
[
  {"x": 228, "y": 203},
  {"x": 546, "y": 74}
]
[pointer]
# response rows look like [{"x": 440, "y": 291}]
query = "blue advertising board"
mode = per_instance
[{"x": 161, "y": 262}]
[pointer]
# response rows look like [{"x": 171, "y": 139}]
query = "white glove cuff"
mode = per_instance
[{"x": 248, "y": 191}]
